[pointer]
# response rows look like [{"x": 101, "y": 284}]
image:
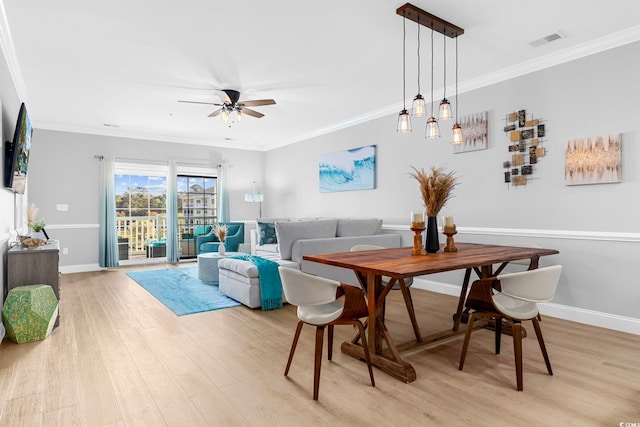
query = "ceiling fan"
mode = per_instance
[{"x": 232, "y": 109}]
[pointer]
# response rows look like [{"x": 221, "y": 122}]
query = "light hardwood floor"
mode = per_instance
[{"x": 120, "y": 358}]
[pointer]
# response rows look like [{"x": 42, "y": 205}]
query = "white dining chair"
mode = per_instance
[
  {"x": 513, "y": 297},
  {"x": 318, "y": 305}
]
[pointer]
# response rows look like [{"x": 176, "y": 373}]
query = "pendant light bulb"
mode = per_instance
[
  {"x": 433, "y": 130},
  {"x": 445, "y": 110},
  {"x": 404, "y": 122},
  {"x": 419, "y": 108},
  {"x": 445, "y": 107},
  {"x": 456, "y": 135}
]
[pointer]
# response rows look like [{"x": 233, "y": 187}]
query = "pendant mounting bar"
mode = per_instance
[{"x": 421, "y": 17}]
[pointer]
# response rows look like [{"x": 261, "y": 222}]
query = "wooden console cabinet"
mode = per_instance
[{"x": 34, "y": 267}]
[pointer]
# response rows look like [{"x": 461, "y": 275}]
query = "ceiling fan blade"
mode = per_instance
[
  {"x": 250, "y": 112},
  {"x": 198, "y": 102},
  {"x": 215, "y": 113},
  {"x": 257, "y": 102}
]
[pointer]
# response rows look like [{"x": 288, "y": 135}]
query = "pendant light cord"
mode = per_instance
[
  {"x": 418, "y": 54},
  {"x": 456, "y": 79},
  {"x": 444, "y": 95},
  {"x": 432, "y": 70},
  {"x": 404, "y": 65}
]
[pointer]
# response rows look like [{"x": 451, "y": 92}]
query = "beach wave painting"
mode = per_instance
[{"x": 348, "y": 170}]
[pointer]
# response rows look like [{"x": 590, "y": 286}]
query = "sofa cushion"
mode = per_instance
[
  {"x": 289, "y": 232},
  {"x": 358, "y": 227},
  {"x": 267, "y": 233}
]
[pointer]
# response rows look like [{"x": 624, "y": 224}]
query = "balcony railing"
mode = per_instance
[{"x": 141, "y": 230}]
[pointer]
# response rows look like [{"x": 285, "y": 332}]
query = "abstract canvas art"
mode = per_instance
[
  {"x": 474, "y": 130},
  {"x": 595, "y": 160},
  {"x": 348, "y": 170}
]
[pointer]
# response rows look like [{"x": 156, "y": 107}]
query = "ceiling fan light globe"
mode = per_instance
[{"x": 224, "y": 115}]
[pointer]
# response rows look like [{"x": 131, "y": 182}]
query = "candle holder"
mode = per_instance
[
  {"x": 449, "y": 231},
  {"x": 417, "y": 226}
]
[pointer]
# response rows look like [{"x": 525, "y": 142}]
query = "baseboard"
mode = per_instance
[
  {"x": 80, "y": 268},
  {"x": 594, "y": 318}
]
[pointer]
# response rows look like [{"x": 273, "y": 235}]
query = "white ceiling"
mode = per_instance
[{"x": 82, "y": 64}]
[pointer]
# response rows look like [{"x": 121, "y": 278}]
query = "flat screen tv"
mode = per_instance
[{"x": 16, "y": 154}]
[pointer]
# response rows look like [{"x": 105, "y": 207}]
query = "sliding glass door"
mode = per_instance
[{"x": 197, "y": 210}]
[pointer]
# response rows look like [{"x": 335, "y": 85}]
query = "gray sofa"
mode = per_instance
[{"x": 295, "y": 239}]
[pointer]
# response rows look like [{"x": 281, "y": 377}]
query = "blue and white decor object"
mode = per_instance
[{"x": 348, "y": 170}]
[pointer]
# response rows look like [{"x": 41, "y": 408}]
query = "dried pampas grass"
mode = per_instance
[
  {"x": 435, "y": 188},
  {"x": 220, "y": 230}
]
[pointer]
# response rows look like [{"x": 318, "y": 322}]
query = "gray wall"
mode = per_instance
[
  {"x": 9, "y": 113},
  {"x": 63, "y": 170},
  {"x": 595, "y": 227}
]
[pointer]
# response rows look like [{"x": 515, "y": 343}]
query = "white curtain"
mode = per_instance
[
  {"x": 223, "y": 196},
  {"x": 108, "y": 238},
  {"x": 173, "y": 254}
]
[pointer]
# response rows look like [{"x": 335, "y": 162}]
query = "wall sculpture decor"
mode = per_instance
[
  {"x": 474, "y": 130},
  {"x": 526, "y": 138},
  {"x": 348, "y": 170},
  {"x": 595, "y": 160}
]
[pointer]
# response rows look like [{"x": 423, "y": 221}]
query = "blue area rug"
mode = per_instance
[{"x": 181, "y": 290}]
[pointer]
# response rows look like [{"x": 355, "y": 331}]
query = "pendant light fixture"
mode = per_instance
[
  {"x": 433, "y": 131},
  {"x": 445, "y": 106},
  {"x": 404, "y": 122},
  {"x": 447, "y": 29},
  {"x": 419, "y": 108},
  {"x": 456, "y": 135}
]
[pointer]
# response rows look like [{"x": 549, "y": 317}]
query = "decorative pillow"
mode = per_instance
[{"x": 267, "y": 233}]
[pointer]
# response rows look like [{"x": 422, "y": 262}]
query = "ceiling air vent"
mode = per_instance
[{"x": 547, "y": 39}]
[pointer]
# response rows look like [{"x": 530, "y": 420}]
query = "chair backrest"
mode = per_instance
[
  {"x": 537, "y": 285},
  {"x": 201, "y": 230},
  {"x": 306, "y": 289}
]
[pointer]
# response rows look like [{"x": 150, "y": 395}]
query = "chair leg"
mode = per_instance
[
  {"x": 517, "y": 351},
  {"x": 543, "y": 348},
  {"x": 365, "y": 346},
  {"x": 318, "y": 361},
  {"x": 467, "y": 337},
  {"x": 498, "y": 325},
  {"x": 330, "y": 341},
  {"x": 293, "y": 346}
]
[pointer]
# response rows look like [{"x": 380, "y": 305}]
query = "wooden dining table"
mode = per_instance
[{"x": 398, "y": 264}]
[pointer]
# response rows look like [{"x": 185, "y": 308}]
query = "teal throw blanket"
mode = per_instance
[{"x": 270, "y": 284}]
